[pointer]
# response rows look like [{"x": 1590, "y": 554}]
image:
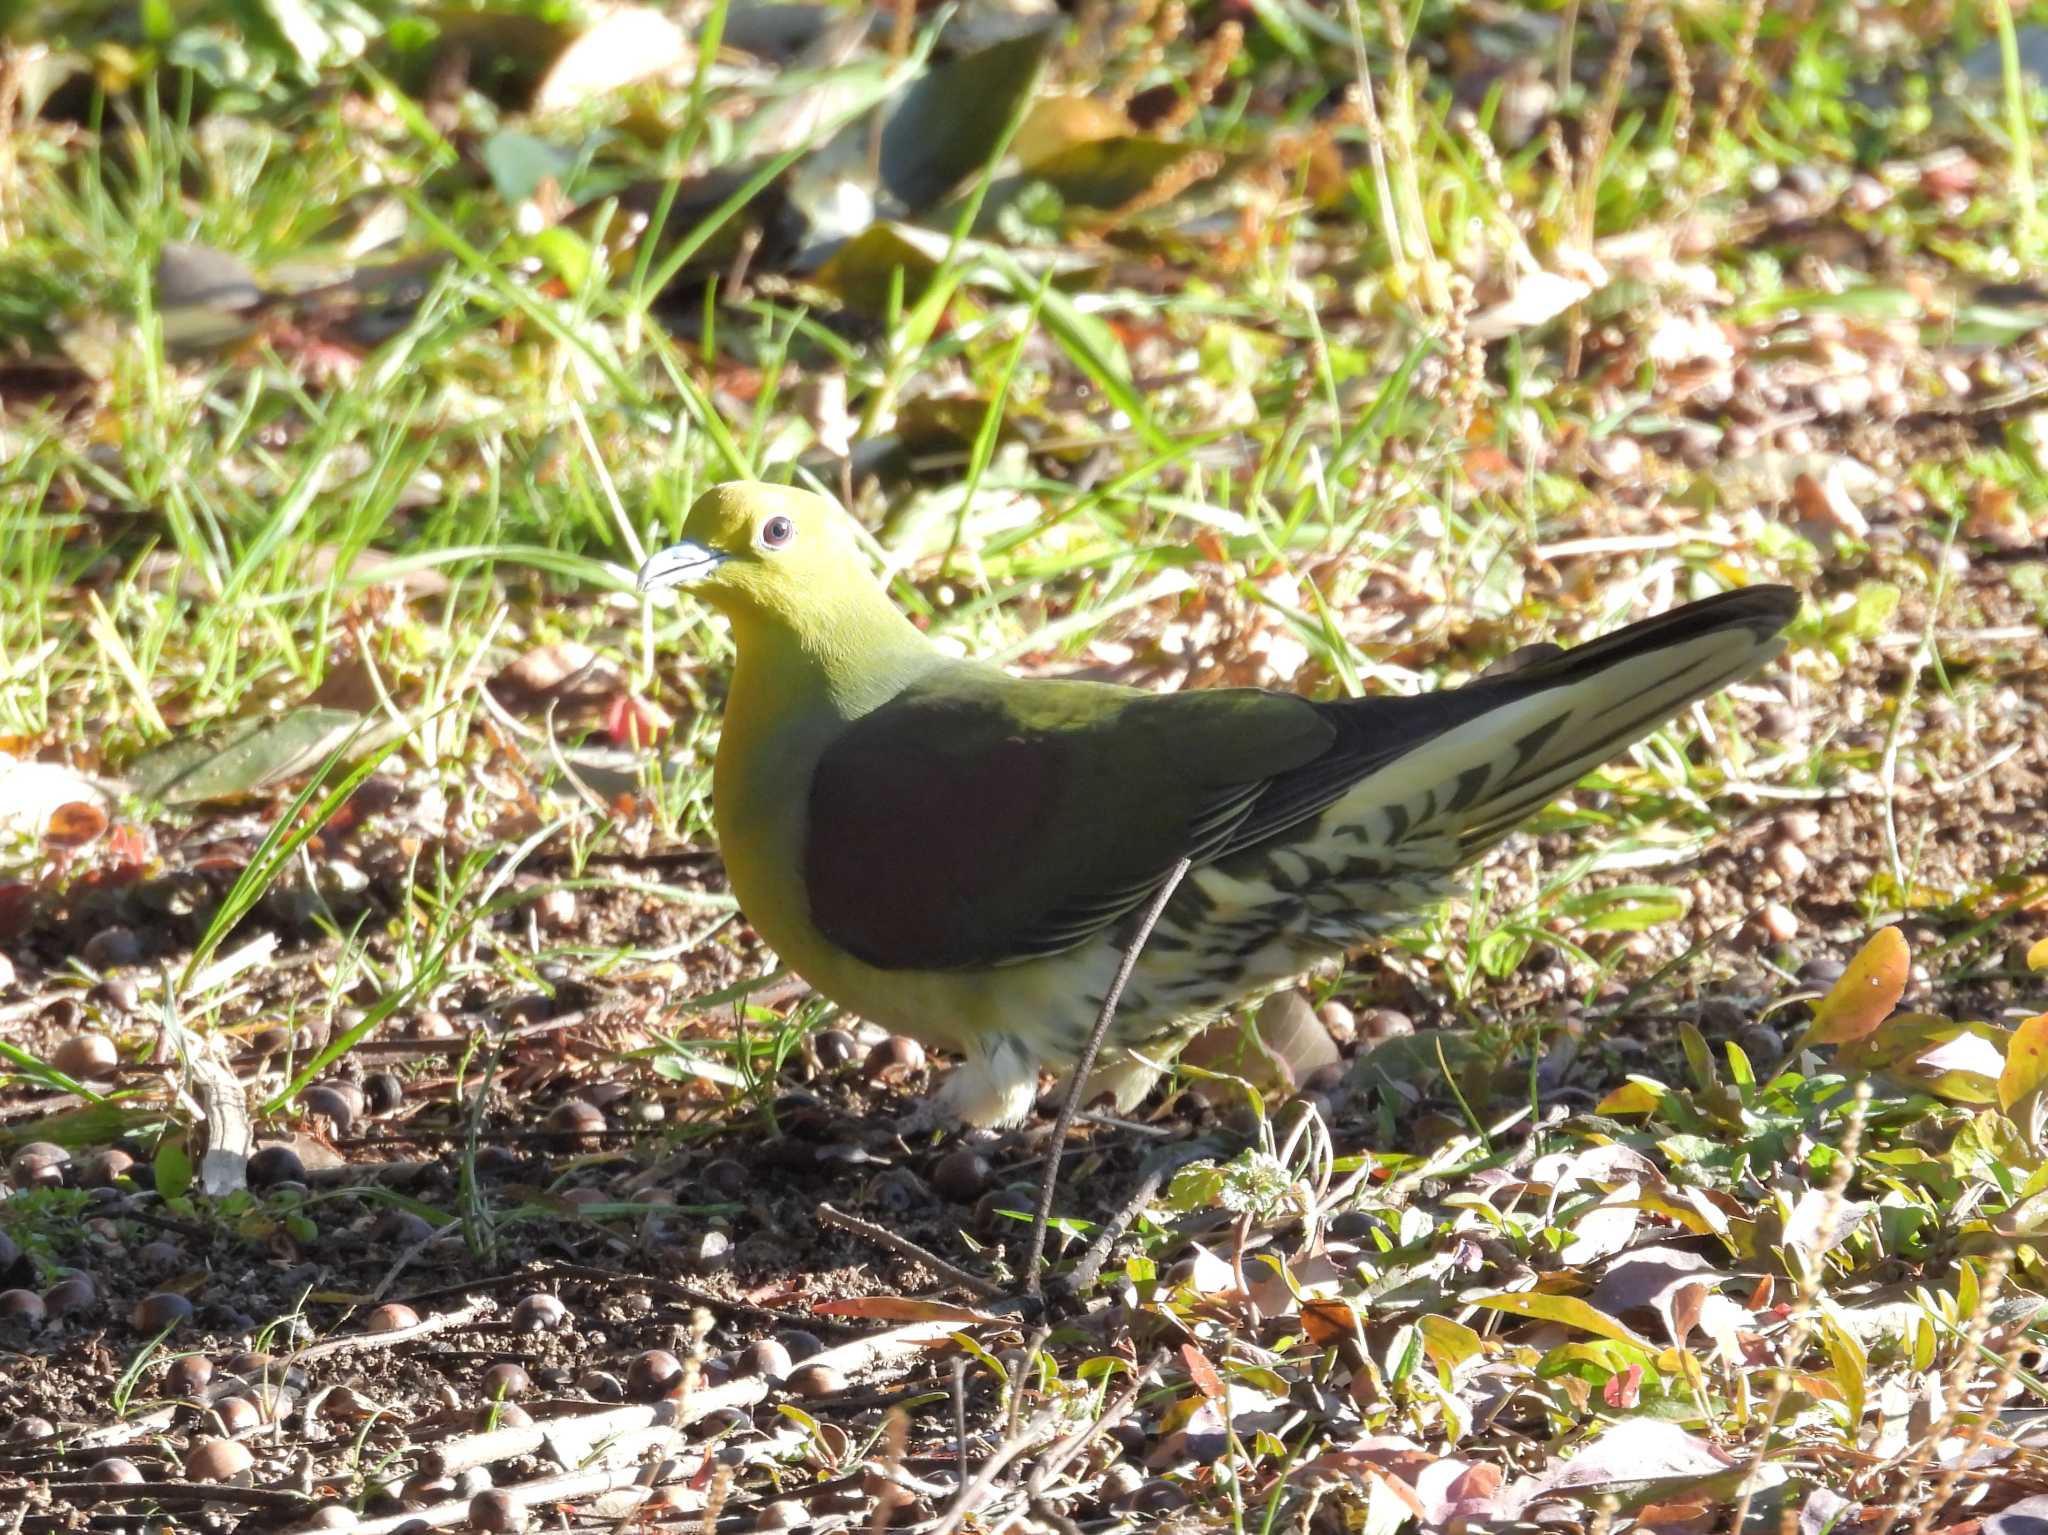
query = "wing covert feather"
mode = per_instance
[{"x": 981, "y": 820}]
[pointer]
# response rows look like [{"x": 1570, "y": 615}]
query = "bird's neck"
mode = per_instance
[
  {"x": 839, "y": 664},
  {"x": 793, "y": 692}
]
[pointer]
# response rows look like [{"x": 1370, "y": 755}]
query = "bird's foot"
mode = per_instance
[
  {"x": 994, "y": 1086},
  {"x": 1122, "y": 1078}
]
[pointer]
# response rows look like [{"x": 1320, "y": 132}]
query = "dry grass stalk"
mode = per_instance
[
  {"x": 1173, "y": 20},
  {"x": 1208, "y": 77},
  {"x": 1679, "y": 67},
  {"x": 1733, "y": 83},
  {"x": 1164, "y": 187},
  {"x": 1593, "y": 154}
]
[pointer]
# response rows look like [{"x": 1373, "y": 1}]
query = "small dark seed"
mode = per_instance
[
  {"x": 107, "y": 1167},
  {"x": 895, "y": 1057},
  {"x": 813, "y": 1380},
  {"x": 216, "y": 1460},
  {"x": 653, "y": 1375},
  {"x": 575, "y": 1121},
  {"x": 154, "y": 1313},
  {"x": 273, "y": 1165},
  {"x": 112, "y": 946},
  {"x": 834, "y": 1048},
  {"x": 1378, "y": 1023},
  {"x": 383, "y": 1091},
  {"x": 601, "y": 1386},
  {"x": 539, "y": 1313},
  {"x": 496, "y": 1511},
  {"x": 83, "y": 1057},
  {"x": 962, "y": 1175},
  {"x": 70, "y": 1295},
  {"x": 506, "y": 1382},
  {"x": 801, "y": 1345},
  {"x": 765, "y": 1357},
  {"x": 326, "y": 1103}
]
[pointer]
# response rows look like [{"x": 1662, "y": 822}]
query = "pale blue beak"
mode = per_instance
[{"x": 682, "y": 564}]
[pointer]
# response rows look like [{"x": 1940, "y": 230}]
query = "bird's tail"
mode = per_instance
[{"x": 1471, "y": 764}]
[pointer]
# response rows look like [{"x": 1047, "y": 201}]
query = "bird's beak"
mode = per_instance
[{"x": 682, "y": 564}]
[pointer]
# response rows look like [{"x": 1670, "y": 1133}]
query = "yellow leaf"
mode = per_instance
[
  {"x": 1632, "y": 1097},
  {"x": 1569, "y": 1311},
  {"x": 1448, "y": 1343},
  {"x": 1849, "y": 1367},
  {"x": 2037, "y": 956},
  {"x": 1867, "y": 992},
  {"x": 2026, "y": 1062}
]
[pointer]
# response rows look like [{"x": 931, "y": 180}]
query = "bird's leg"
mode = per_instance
[
  {"x": 995, "y": 1084},
  {"x": 1049, "y": 1180}
]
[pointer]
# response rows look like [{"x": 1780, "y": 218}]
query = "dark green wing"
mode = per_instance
[{"x": 979, "y": 819}]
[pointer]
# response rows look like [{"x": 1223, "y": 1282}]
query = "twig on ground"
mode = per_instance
[
  {"x": 903, "y": 1247},
  {"x": 1085, "y": 1065},
  {"x": 1154, "y": 1178}
]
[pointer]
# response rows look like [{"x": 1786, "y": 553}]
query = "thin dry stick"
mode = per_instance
[
  {"x": 1163, "y": 1167},
  {"x": 1049, "y": 1181},
  {"x": 903, "y": 1247}
]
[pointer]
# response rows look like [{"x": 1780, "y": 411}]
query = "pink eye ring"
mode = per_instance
[{"x": 776, "y": 532}]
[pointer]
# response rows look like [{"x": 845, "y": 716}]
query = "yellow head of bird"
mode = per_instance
[{"x": 761, "y": 551}]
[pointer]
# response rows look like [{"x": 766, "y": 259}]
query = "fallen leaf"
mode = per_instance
[
  {"x": 2026, "y": 1062},
  {"x": 1058, "y": 122},
  {"x": 1821, "y": 1222},
  {"x": 73, "y": 824},
  {"x": 2029, "y": 1516},
  {"x": 948, "y": 124},
  {"x": 36, "y": 796},
  {"x": 1605, "y": 1229},
  {"x": 1825, "y": 499},
  {"x": 625, "y": 44},
  {"x": 1201, "y": 1372},
  {"x": 1635, "y": 1451},
  {"x": 1867, "y": 992},
  {"x": 1623, "y": 1391},
  {"x": 1567, "y": 1311},
  {"x": 546, "y": 668},
  {"x": 1970, "y": 1053},
  {"x": 1537, "y": 297},
  {"x": 1287, "y": 1044},
  {"x": 252, "y": 755},
  {"x": 635, "y": 721}
]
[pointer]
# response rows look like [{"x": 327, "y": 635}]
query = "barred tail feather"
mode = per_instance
[{"x": 1522, "y": 738}]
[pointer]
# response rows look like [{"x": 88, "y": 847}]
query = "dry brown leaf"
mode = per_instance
[{"x": 624, "y": 45}]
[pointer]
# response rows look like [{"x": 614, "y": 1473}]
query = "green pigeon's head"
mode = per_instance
[{"x": 764, "y": 552}]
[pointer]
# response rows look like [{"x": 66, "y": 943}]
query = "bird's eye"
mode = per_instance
[{"x": 776, "y": 532}]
